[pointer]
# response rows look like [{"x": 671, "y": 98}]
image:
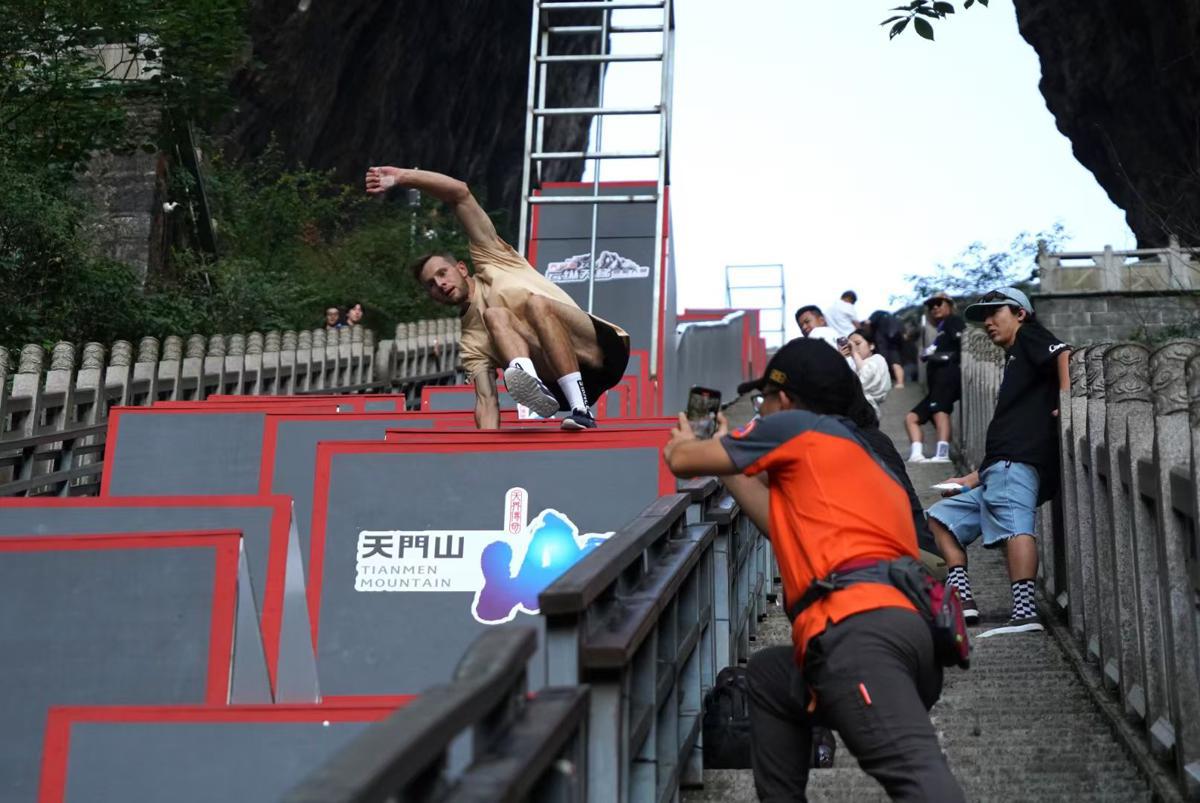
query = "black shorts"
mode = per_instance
[
  {"x": 597, "y": 380},
  {"x": 944, "y": 390}
]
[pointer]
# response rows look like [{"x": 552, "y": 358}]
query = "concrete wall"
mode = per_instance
[{"x": 1084, "y": 318}]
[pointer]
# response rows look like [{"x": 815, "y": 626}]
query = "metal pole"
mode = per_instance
[
  {"x": 663, "y": 144},
  {"x": 530, "y": 121},
  {"x": 604, "y": 23}
]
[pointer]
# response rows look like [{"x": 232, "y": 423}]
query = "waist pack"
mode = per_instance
[{"x": 938, "y": 604}]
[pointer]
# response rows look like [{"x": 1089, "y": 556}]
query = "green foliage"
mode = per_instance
[
  {"x": 978, "y": 269},
  {"x": 58, "y": 104},
  {"x": 1155, "y": 336},
  {"x": 922, "y": 14}
]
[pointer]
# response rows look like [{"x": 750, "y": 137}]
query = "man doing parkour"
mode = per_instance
[{"x": 512, "y": 316}]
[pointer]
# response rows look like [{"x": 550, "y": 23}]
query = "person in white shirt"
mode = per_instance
[
  {"x": 872, "y": 368},
  {"x": 843, "y": 317},
  {"x": 812, "y": 325}
]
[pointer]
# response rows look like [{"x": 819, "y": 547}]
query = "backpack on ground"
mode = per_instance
[
  {"x": 727, "y": 721},
  {"x": 726, "y": 726}
]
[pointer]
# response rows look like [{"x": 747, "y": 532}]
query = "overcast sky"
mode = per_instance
[{"x": 802, "y": 136}]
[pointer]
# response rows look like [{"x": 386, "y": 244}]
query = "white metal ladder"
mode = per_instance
[{"x": 543, "y": 30}]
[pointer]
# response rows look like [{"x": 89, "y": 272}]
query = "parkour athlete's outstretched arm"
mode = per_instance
[
  {"x": 475, "y": 222},
  {"x": 487, "y": 405}
]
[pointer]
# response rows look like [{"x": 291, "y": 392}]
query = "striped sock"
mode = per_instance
[
  {"x": 956, "y": 576},
  {"x": 1024, "y": 605}
]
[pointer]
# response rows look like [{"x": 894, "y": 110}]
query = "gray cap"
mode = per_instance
[{"x": 1004, "y": 297}]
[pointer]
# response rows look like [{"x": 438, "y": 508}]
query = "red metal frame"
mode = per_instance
[
  {"x": 56, "y": 746},
  {"x": 460, "y": 443},
  {"x": 281, "y": 520}
]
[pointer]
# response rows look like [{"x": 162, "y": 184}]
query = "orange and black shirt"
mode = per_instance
[{"x": 832, "y": 502}]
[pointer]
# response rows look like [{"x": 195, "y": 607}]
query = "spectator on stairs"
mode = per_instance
[
  {"x": 843, "y": 317},
  {"x": 1020, "y": 464},
  {"x": 862, "y": 659},
  {"x": 333, "y": 318},
  {"x": 942, "y": 378},
  {"x": 812, "y": 324},
  {"x": 889, "y": 337},
  {"x": 354, "y": 313},
  {"x": 871, "y": 368}
]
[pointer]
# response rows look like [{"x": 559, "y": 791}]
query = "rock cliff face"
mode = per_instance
[
  {"x": 439, "y": 84},
  {"x": 1122, "y": 79}
]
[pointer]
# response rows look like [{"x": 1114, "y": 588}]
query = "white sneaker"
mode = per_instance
[
  {"x": 528, "y": 390},
  {"x": 1027, "y": 624},
  {"x": 934, "y": 459},
  {"x": 918, "y": 458}
]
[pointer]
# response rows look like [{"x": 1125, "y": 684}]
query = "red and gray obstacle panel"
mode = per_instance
[
  {"x": 214, "y": 448},
  {"x": 195, "y": 754},
  {"x": 271, "y": 551},
  {"x": 123, "y": 619},
  {"x": 419, "y": 547}
]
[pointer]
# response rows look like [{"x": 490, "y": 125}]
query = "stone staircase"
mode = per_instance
[{"x": 1020, "y": 725}]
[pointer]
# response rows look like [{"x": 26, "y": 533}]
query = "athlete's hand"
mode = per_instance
[{"x": 381, "y": 179}]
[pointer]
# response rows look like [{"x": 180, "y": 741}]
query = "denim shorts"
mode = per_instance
[{"x": 1001, "y": 506}]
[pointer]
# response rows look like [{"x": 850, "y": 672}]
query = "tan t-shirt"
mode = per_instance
[{"x": 502, "y": 279}]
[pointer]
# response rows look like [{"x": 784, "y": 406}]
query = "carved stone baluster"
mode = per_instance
[
  {"x": 235, "y": 363},
  {"x": 193, "y": 368},
  {"x": 1172, "y": 452},
  {"x": 303, "y": 362},
  {"x": 320, "y": 361},
  {"x": 1083, "y": 608},
  {"x": 214, "y": 366},
  {"x": 270, "y": 363},
  {"x": 170, "y": 368},
  {"x": 254, "y": 352},
  {"x": 288, "y": 347},
  {"x": 119, "y": 374},
  {"x": 1128, "y": 418},
  {"x": 145, "y": 372},
  {"x": 5, "y": 372},
  {"x": 1102, "y": 630}
]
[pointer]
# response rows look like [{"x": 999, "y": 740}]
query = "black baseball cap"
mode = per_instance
[{"x": 803, "y": 364}]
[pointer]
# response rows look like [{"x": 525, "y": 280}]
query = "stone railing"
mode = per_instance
[
  {"x": 1110, "y": 271},
  {"x": 1120, "y": 547},
  {"x": 53, "y": 417}
]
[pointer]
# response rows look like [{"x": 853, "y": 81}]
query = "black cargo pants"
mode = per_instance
[{"x": 874, "y": 677}]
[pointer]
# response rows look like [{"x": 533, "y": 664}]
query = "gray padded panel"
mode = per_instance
[
  {"x": 96, "y": 627},
  {"x": 296, "y": 679},
  {"x": 198, "y": 762},
  {"x": 180, "y": 453},
  {"x": 295, "y": 458},
  {"x": 400, "y": 643},
  {"x": 463, "y": 400}
]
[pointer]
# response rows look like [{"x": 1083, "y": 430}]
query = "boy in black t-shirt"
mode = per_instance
[
  {"x": 1020, "y": 465},
  {"x": 942, "y": 378}
]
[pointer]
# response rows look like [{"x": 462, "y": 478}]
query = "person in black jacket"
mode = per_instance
[{"x": 942, "y": 379}]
